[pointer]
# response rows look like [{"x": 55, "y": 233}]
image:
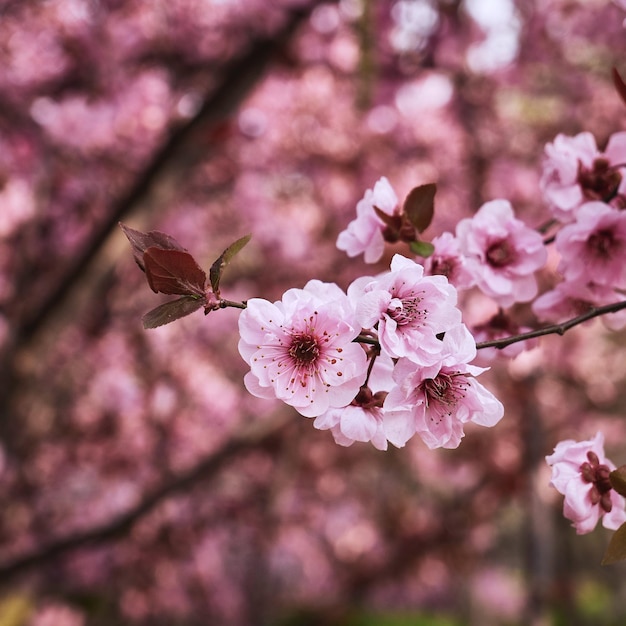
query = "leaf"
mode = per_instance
[
  {"x": 215, "y": 273},
  {"x": 419, "y": 206},
  {"x": 173, "y": 272},
  {"x": 422, "y": 248},
  {"x": 171, "y": 311},
  {"x": 616, "y": 550},
  {"x": 618, "y": 480},
  {"x": 140, "y": 242},
  {"x": 619, "y": 85},
  {"x": 388, "y": 220}
]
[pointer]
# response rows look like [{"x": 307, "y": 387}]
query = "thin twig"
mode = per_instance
[{"x": 556, "y": 329}]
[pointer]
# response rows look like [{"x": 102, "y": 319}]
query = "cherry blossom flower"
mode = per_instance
[
  {"x": 409, "y": 309},
  {"x": 447, "y": 260},
  {"x": 593, "y": 248},
  {"x": 502, "y": 253},
  {"x": 364, "y": 234},
  {"x": 580, "y": 472},
  {"x": 437, "y": 401},
  {"x": 575, "y": 172},
  {"x": 564, "y": 158},
  {"x": 300, "y": 349},
  {"x": 362, "y": 419},
  {"x": 570, "y": 299}
]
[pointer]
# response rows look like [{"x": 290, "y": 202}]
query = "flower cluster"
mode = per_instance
[
  {"x": 410, "y": 375},
  {"x": 580, "y": 471},
  {"x": 585, "y": 190},
  {"x": 390, "y": 357}
]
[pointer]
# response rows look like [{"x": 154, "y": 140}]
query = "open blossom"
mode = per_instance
[
  {"x": 362, "y": 419},
  {"x": 409, "y": 309},
  {"x": 593, "y": 248},
  {"x": 502, "y": 253},
  {"x": 580, "y": 471},
  {"x": 300, "y": 349},
  {"x": 364, "y": 234},
  {"x": 575, "y": 172},
  {"x": 564, "y": 158},
  {"x": 437, "y": 401},
  {"x": 447, "y": 260},
  {"x": 570, "y": 299}
]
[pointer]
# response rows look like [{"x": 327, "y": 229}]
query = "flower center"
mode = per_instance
[
  {"x": 443, "y": 393},
  {"x": 600, "y": 182},
  {"x": 592, "y": 471},
  {"x": 500, "y": 254},
  {"x": 304, "y": 348},
  {"x": 602, "y": 243},
  {"x": 406, "y": 310},
  {"x": 442, "y": 266}
]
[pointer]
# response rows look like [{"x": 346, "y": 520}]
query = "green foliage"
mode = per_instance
[{"x": 422, "y": 248}]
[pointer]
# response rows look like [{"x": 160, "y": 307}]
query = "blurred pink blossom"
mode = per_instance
[
  {"x": 593, "y": 248},
  {"x": 364, "y": 234},
  {"x": 575, "y": 171},
  {"x": 300, "y": 349},
  {"x": 571, "y": 299},
  {"x": 564, "y": 157},
  {"x": 502, "y": 253},
  {"x": 436, "y": 401},
  {"x": 447, "y": 260},
  {"x": 580, "y": 472},
  {"x": 56, "y": 615},
  {"x": 409, "y": 308}
]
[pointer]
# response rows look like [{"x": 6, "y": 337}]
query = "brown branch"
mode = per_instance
[
  {"x": 556, "y": 329},
  {"x": 260, "y": 435}
]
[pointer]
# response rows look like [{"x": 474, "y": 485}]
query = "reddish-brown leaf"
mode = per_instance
[
  {"x": 140, "y": 242},
  {"x": 215, "y": 273},
  {"x": 619, "y": 85},
  {"x": 171, "y": 311},
  {"x": 419, "y": 206},
  {"x": 618, "y": 480},
  {"x": 173, "y": 272},
  {"x": 616, "y": 550}
]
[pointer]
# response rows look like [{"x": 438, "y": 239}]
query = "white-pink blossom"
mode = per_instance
[
  {"x": 580, "y": 472},
  {"x": 408, "y": 309},
  {"x": 593, "y": 248},
  {"x": 362, "y": 419},
  {"x": 364, "y": 234},
  {"x": 575, "y": 172},
  {"x": 571, "y": 299},
  {"x": 437, "y": 401},
  {"x": 502, "y": 253},
  {"x": 447, "y": 260},
  {"x": 563, "y": 160},
  {"x": 300, "y": 349}
]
